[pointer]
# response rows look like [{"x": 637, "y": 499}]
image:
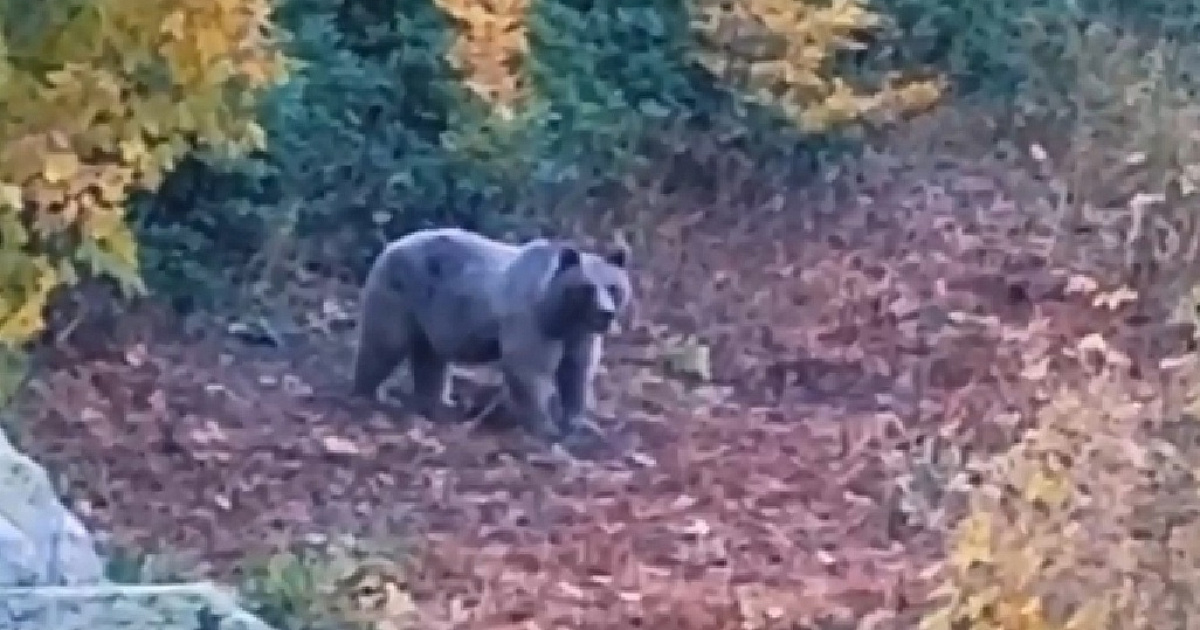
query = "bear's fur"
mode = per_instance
[{"x": 539, "y": 310}]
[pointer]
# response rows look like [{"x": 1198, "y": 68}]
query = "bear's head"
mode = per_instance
[{"x": 588, "y": 292}]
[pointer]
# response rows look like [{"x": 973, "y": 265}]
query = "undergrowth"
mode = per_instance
[
  {"x": 312, "y": 586},
  {"x": 1088, "y": 521}
]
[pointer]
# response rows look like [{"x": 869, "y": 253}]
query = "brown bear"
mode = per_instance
[{"x": 539, "y": 310}]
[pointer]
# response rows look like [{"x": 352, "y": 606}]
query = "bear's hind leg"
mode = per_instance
[
  {"x": 373, "y": 364},
  {"x": 382, "y": 342},
  {"x": 431, "y": 379}
]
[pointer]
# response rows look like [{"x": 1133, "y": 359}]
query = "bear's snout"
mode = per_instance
[{"x": 602, "y": 320}]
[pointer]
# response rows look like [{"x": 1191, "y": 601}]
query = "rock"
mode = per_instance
[
  {"x": 41, "y": 542},
  {"x": 196, "y": 606},
  {"x": 52, "y": 577}
]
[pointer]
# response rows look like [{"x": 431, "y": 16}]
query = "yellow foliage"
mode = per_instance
[
  {"x": 1085, "y": 523},
  {"x": 776, "y": 51},
  {"x": 102, "y": 98},
  {"x": 1009, "y": 552},
  {"x": 337, "y": 585},
  {"x": 490, "y": 48}
]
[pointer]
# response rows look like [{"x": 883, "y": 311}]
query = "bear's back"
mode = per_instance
[{"x": 459, "y": 284}]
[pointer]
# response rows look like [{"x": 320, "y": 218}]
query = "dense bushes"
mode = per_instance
[
  {"x": 358, "y": 125},
  {"x": 379, "y": 134},
  {"x": 405, "y": 114},
  {"x": 100, "y": 98},
  {"x": 392, "y": 125},
  {"x": 1008, "y": 49},
  {"x": 1088, "y": 521},
  {"x": 385, "y": 128}
]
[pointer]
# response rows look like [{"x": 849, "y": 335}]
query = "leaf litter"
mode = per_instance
[{"x": 774, "y": 483}]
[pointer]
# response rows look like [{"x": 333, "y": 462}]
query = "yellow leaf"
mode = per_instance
[
  {"x": 1053, "y": 490},
  {"x": 1092, "y": 615},
  {"x": 122, "y": 245},
  {"x": 978, "y": 602},
  {"x": 256, "y": 138},
  {"x": 12, "y": 230},
  {"x": 940, "y": 619},
  {"x": 132, "y": 150},
  {"x": 175, "y": 24},
  {"x": 974, "y": 542},
  {"x": 60, "y": 167},
  {"x": 11, "y": 196},
  {"x": 25, "y": 320}
]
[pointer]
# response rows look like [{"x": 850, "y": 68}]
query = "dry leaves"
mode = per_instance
[{"x": 794, "y": 482}]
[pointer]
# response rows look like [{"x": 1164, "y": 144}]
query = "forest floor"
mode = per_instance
[{"x": 842, "y": 341}]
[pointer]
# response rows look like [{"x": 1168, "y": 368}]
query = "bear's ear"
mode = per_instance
[
  {"x": 568, "y": 257},
  {"x": 618, "y": 255}
]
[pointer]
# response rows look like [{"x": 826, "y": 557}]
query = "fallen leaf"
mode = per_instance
[
  {"x": 1114, "y": 299},
  {"x": 1037, "y": 370},
  {"x": 1081, "y": 284},
  {"x": 1093, "y": 342},
  {"x": 643, "y": 459},
  {"x": 1174, "y": 363},
  {"x": 572, "y": 591},
  {"x": 689, "y": 357},
  {"x": 339, "y": 445}
]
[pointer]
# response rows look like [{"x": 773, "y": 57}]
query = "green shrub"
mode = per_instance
[
  {"x": 1002, "y": 48},
  {"x": 313, "y": 588},
  {"x": 378, "y": 133}
]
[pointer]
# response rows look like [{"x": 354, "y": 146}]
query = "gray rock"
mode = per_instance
[
  {"x": 197, "y": 606},
  {"x": 52, "y": 577},
  {"x": 41, "y": 542}
]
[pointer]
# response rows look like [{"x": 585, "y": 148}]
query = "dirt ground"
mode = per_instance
[{"x": 768, "y": 493}]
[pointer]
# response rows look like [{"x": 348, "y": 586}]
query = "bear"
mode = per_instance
[{"x": 539, "y": 311}]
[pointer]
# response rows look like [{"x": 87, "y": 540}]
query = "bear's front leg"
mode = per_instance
[
  {"x": 573, "y": 380},
  {"x": 534, "y": 400}
]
